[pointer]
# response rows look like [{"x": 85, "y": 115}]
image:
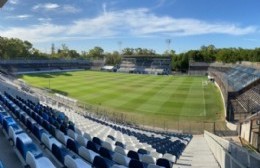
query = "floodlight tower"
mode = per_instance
[
  {"x": 168, "y": 43},
  {"x": 2, "y": 2},
  {"x": 120, "y": 46}
]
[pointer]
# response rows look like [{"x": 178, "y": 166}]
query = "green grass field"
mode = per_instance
[{"x": 167, "y": 98}]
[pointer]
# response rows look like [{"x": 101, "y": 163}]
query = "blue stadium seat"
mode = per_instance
[
  {"x": 2, "y": 116},
  {"x": 92, "y": 146},
  {"x": 100, "y": 162},
  {"x": 111, "y": 137},
  {"x": 164, "y": 162},
  {"x": 49, "y": 140},
  {"x": 75, "y": 162},
  {"x": 121, "y": 150},
  {"x": 63, "y": 128},
  {"x": 24, "y": 144},
  {"x": 121, "y": 159},
  {"x": 87, "y": 154},
  {"x": 38, "y": 162},
  {"x": 45, "y": 116},
  {"x": 39, "y": 119},
  {"x": 142, "y": 151},
  {"x": 52, "y": 130},
  {"x": 71, "y": 126},
  {"x": 38, "y": 131},
  {"x": 46, "y": 125},
  {"x": 30, "y": 124},
  {"x": 117, "y": 143},
  {"x": 81, "y": 140},
  {"x": 133, "y": 155},
  {"x": 24, "y": 117},
  {"x": 13, "y": 131},
  {"x": 106, "y": 153},
  {"x": 97, "y": 140},
  {"x": 59, "y": 152},
  {"x": 73, "y": 145},
  {"x": 8, "y": 121},
  {"x": 136, "y": 164}
]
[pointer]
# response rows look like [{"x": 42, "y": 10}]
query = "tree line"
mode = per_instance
[
  {"x": 212, "y": 54},
  {"x": 13, "y": 48}
]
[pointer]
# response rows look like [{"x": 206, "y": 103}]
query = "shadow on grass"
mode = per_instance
[
  {"x": 57, "y": 91},
  {"x": 47, "y": 75}
]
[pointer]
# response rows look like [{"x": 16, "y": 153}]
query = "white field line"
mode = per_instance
[{"x": 204, "y": 100}]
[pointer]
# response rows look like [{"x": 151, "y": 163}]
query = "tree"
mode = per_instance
[
  {"x": 113, "y": 58},
  {"x": 96, "y": 53},
  {"x": 169, "y": 53},
  {"x": 208, "y": 53},
  {"x": 128, "y": 51},
  {"x": 73, "y": 54}
]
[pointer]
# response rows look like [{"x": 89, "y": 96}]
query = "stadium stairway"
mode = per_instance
[
  {"x": 197, "y": 154},
  {"x": 7, "y": 154}
]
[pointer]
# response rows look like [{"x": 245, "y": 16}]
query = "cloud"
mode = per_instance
[
  {"x": 127, "y": 23},
  {"x": 70, "y": 9},
  {"x": 14, "y": 2},
  {"x": 44, "y": 20},
  {"x": 251, "y": 39},
  {"x": 35, "y": 33},
  {"x": 56, "y": 8},
  {"x": 104, "y": 7},
  {"x": 46, "y": 6},
  {"x": 161, "y": 3},
  {"x": 20, "y": 17}
]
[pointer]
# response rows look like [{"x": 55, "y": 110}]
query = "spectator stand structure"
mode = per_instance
[
  {"x": 239, "y": 86},
  {"x": 250, "y": 131},
  {"x": 23, "y": 66},
  {"x": 198, "y": 68},
  {"x": 157, "y": 65}
]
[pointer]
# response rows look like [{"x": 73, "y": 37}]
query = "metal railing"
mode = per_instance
[{"x": 230, "y": 155}]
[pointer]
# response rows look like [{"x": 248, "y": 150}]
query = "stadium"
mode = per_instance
[{"x": 124, "y": 109}]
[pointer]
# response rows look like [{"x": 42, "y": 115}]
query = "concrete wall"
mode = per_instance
[
  {"x": 245, "y": 131},
  {"x": 230, "y": 155}
]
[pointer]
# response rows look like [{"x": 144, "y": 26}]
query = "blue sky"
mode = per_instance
[{"x": 83, "y": 24}]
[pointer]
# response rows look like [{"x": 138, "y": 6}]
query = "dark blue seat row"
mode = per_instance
[{"x": 29, "y": 152}]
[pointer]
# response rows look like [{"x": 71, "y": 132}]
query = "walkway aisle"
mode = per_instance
[
  {"x": 197, "y": 154},
  {"x": 7, "y": 155}
]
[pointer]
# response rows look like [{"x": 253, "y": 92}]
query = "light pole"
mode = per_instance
[
  {"x": 120, "y": 47},
  {"x": 168, "y": 43}
]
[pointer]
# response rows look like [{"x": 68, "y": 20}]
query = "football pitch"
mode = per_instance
[{"x": 167, "y": 98}]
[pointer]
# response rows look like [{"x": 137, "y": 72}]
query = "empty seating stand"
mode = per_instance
[
  {"x": 101, "y": 144},
  {"x": 145, "y": 65}
]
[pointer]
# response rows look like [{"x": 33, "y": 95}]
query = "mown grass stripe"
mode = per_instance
[{"x": 165, "y": 97}]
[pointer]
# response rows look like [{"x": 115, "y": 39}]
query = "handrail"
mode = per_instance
[{"x": 224, "y": 153}]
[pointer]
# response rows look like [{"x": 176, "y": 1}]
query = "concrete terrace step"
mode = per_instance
[{"x": 197, "y": 154}]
